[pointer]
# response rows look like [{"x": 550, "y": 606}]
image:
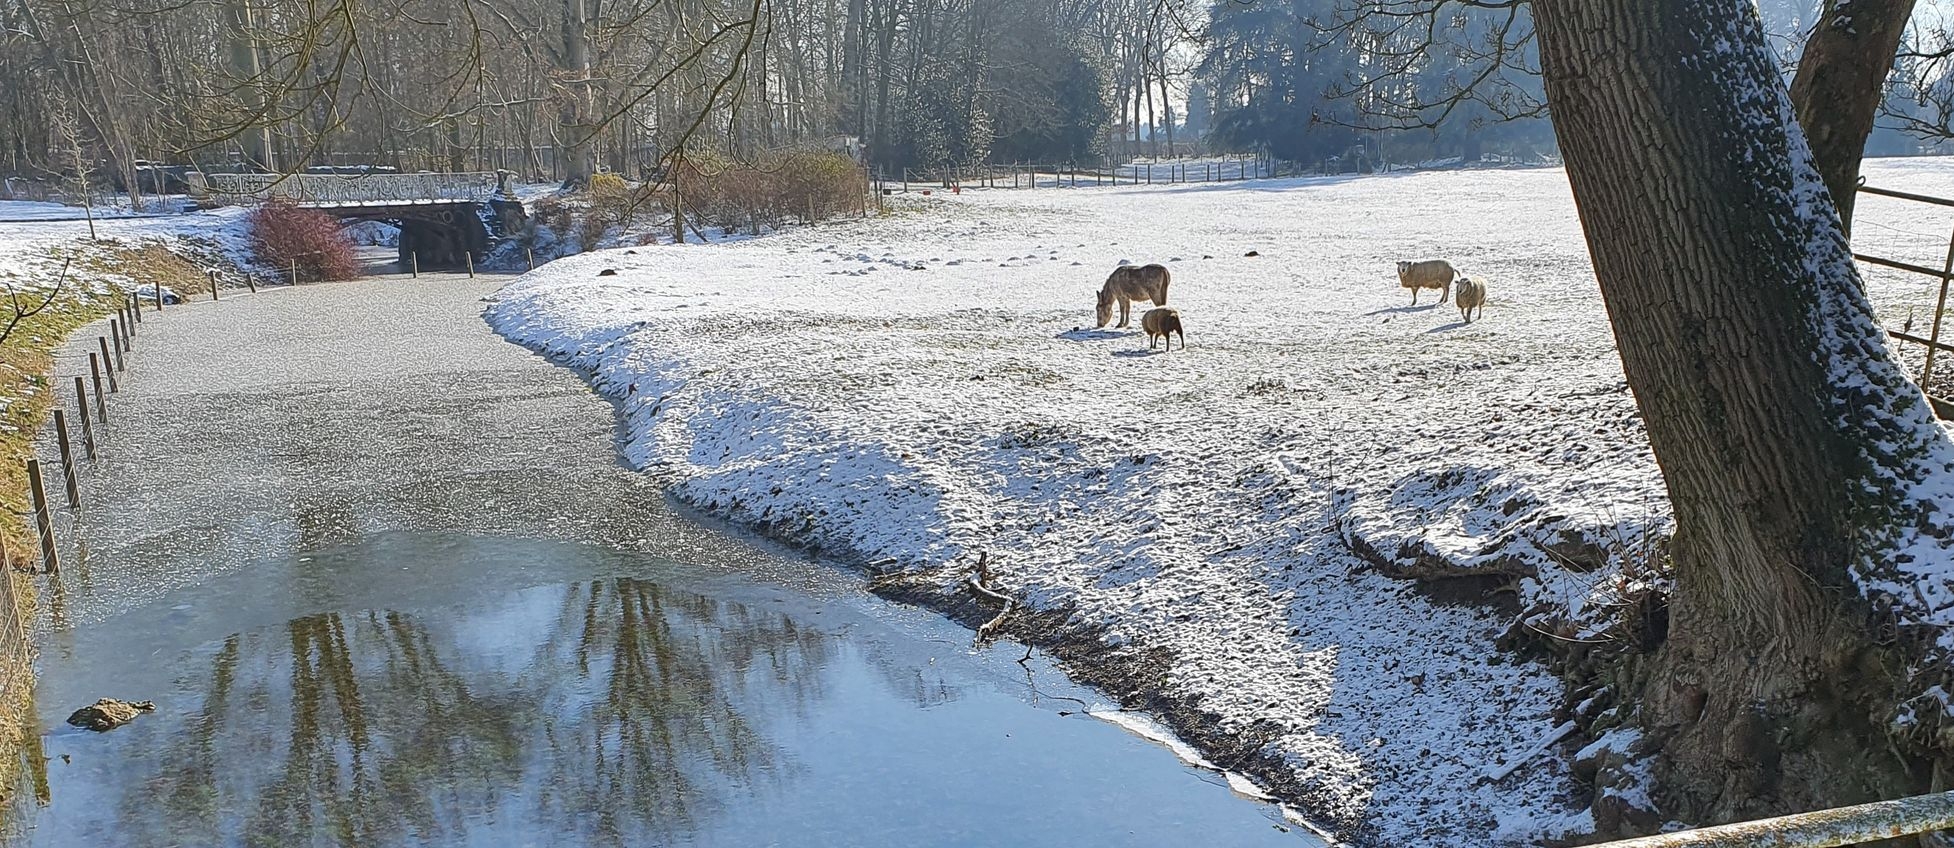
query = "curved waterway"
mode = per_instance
[
  {"x": 386, "y": 585},
  {"x": 549, "y": 693}
]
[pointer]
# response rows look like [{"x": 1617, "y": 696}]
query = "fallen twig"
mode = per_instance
[
  {"x": 1555, "y": 735},
  {"x": 976, "y": 582}
]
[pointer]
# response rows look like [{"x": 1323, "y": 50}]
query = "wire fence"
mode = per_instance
[{"x": 1207, "y": 169}]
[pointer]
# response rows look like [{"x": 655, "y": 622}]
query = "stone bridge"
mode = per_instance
[{"x": 443, "y": 218}]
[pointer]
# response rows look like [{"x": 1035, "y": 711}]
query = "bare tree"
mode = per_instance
[{"x": 21, "y": 312}]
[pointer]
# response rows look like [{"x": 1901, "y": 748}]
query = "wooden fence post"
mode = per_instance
[
  {"x": 43, "y": 520},
  {"x": 295, "y": 272},
  {"x": 529, "y": 253},
  {"x": 414, "y": 264},
  {"x": 87, "y": 430},
  {"x": 213, "y": 284},
  {"x": 159, "y": 297},
  {"x": 251, "y": 284},
  {"x": 67, "y": 458},
  {"x": 133, "y": 305},
  {"x": 121, "y": 342},
  {"x": 108, "y": 365},
  {"x": 468, "y": 256},
  {"x": 101, "y": 408}
]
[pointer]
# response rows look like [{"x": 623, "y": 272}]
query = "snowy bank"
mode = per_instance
[{"x": 1266, "y": 510}]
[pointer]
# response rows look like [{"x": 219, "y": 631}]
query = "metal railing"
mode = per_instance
[
  {"x": 1822, "y": 829},
  {"x": 1932, "y": 342},
  {"x": 346, "y": 189}
]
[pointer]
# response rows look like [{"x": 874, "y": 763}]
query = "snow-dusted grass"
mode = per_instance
[{"x": 920, "y": 387}]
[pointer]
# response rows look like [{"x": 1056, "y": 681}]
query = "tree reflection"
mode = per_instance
[
  {"x": 608, "y": 712},
  {"x": 675, "y": 724}
]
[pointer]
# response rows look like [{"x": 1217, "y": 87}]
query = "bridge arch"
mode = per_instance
[
  {"x": 444, "y": 219},
  {"x": 432, "y": 235}
]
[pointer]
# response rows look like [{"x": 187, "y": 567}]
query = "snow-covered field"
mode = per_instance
[
  {"x": 915, "y": 389},
  {"x": 32, "y": 245}
]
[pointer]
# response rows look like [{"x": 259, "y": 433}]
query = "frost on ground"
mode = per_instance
[
  {"x": 1270, "y": 508},
  {"x": 33, "y": 253}
]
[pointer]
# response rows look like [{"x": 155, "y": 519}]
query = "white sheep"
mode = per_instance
[
  {"x": 1472, "y": 298},
  {"x": 1429, "y": 274}
]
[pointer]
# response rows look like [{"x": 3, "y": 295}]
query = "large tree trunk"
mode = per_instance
[
  {"x": 576, "y": 111},
  {"x": 1802, "y": 466},
  {"x": 254, "y": 137},
  {"x": 1841, "y": 81}
]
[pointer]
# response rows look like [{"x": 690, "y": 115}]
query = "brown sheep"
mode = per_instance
[
  {"x": 1429, "y": 274},
  {"x": 1472, "y": 298},
  {"x": 1129, "y": 283},
  {"x": 1162, "y": 323}
]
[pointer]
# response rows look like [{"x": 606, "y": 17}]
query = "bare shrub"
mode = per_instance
[
  {"x": 283, "y": 234},
  {"x": 819, "y": 186},
  {"x": 808, "y": 187},
  {"x": 610, "y": 199}
]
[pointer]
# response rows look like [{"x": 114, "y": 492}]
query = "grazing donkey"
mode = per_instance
[{"x": 1129, "y": 283}]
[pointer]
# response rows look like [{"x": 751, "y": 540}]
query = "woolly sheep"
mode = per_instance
[
  {"x": 1471, "y": 299},
  {"x": 1429, "y": 274}
]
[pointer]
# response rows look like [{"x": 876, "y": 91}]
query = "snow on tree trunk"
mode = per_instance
[{"x": 1806, "y": 471}]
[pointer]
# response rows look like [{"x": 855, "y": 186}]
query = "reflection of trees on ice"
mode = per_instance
[{"x": 616, "y": 710}]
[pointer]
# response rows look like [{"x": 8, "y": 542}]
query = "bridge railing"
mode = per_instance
[{"x": 346, "y": 189}]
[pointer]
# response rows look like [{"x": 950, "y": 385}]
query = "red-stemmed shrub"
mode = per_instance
[{"x": 282, "y": 233}]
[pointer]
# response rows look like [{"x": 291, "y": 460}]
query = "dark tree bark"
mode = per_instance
[
  {"x": 1799, "y": 459},
  {"x": 1840, "y": 83}
]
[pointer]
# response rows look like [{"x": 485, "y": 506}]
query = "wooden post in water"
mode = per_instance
[
  {"x": 213, "y": 284},
  {"x": 67, "y": 458},
  {"x": 87, "y": 430},
  {"x": 101, "y": 408},
  {"x": 43, "y": 520}
]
